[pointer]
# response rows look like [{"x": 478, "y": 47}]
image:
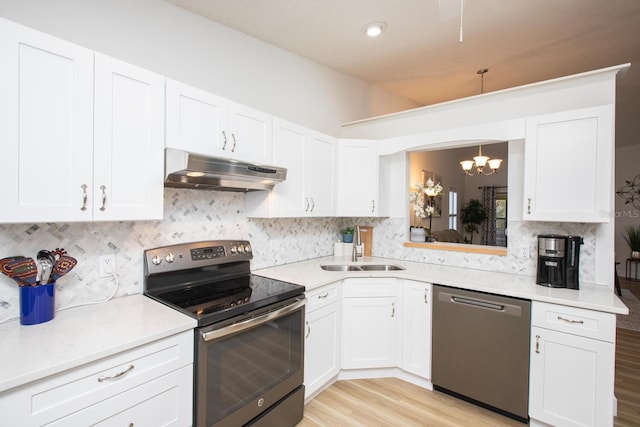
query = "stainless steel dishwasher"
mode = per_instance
[{"x": 480, "y": 346}]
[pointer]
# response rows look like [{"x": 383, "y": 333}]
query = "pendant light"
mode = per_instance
[{"x": 477, "y": 165}]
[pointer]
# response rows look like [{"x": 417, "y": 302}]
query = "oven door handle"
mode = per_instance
[{"x": 253, "y": 322}]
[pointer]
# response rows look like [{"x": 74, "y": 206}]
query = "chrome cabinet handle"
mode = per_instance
[
  {"x": 537, "y": 344},
  {"x": 306, "y": 204},
  {"x": 529, "y": 207},
  {"x": 84, "y": 197},
  {"x": 393, "y": 309},
  {"x": 579, "y": 322},
  {"x": 116, "y": 376},
  {"x": 426, "y": 292},
  {"x": 233, "y": 136},
  {"x": 308, "y": 329},
  {"x": 373, "y": 206},
  {"x": 313, "y": 205},
  {"x": 104, "y": 198},
  {"x": 323, "y": 296},
  {"x": 224, "y": 144}
]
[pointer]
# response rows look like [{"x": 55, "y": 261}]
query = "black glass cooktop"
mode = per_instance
[{"x": 214, "y": 302}]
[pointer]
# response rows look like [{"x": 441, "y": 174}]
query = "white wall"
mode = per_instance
[
  {"x": 627, "y": 168},
  {"x": 173, "y": 42}
]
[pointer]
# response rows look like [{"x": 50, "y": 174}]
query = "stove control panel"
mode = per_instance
[
  {"x": 195, "y": 254},
  {"x": 208, "y": 253}
]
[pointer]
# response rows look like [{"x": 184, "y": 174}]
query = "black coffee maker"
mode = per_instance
[{"x": 558, "y": 261}]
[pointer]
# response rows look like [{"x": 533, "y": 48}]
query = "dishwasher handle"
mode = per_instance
[
  {"x": 498, "y": 305},
  {"x": 477, "y": 303}
]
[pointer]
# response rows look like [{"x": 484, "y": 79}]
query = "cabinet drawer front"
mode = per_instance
[
  {"x": 165, "y": 401},
  {"x": 73, "y": 390},
  {"x": 577, "y": 321},
  {"x": 370, "y": 287},
  {"x": 322, "y": 296}
]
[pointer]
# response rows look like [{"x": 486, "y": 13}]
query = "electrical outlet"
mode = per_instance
[
  {"x": 106, "y": 265},
  {"x": 524, "y": 252}
]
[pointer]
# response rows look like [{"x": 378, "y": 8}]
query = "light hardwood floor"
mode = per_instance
[
  {"x": 393, "y": 402},
  {"x": 628, "y": 369}
]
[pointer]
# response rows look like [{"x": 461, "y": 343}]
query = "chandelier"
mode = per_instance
[
  {"x": 476, "y": 166},
  {"x": 479, "y": 162}
]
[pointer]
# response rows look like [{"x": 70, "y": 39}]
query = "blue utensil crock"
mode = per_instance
[{"x": 37, "y": 304}]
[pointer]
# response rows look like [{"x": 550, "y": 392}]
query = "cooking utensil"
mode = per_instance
[
  {"x": 63, "y": 265},
  {"x": 21, "y": 269},
  {"x": 46, "y": 261},
  {"x": 5, "y": 261}
]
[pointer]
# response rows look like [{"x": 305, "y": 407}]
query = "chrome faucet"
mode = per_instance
[{"x": 357, "y": 244}]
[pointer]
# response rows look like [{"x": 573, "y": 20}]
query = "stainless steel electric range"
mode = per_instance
[{"x": 249, "y": 343}]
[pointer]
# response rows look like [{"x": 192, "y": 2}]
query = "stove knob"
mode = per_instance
[
  {"x": 156, "y": 260},
  {"x": 233, "y": 250},
  {"x": 247, "y": 249},
  {"x": 169, "y": 257},
  {"x": 241, "y": 249}
]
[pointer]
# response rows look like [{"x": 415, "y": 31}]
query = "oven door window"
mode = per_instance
[{"x": 250, "y": 370}]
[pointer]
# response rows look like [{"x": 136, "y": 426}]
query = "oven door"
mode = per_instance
[{"x": 244, "y": 368}]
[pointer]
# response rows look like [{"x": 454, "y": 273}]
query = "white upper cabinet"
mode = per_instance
[
  {"x": 196, "y": 120},
  {"x": 320, "y": 174},
  {"x": 46, "y": 110},
  {"x": 310, "y": 159},
  {"x": 569, "y": 166},
  {"x": 70, "y": 154},
  {"x": 128, "y": 142},
  {"x": 358, "y": 182},
  {"x": 251, "y": 134},
  {"x": 203, "y": 123}
]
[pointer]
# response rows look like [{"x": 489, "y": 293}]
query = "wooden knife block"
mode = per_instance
[{"x": 366, "y": 235}]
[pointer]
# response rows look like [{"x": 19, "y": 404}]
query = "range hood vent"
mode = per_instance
[{"x": 187, "y": 170}]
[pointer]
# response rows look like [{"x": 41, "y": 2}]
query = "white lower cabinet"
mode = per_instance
[
  {"x": 571, "y": 372},
  {"x": 322, "y": 338},
  {"x": 148, "y": 385},
  {"x": 416, "y": 328},
  {"x": 370, "y": 323}
]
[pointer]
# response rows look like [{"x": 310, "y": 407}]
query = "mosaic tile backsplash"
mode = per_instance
[{"x": 192, "y": 215}]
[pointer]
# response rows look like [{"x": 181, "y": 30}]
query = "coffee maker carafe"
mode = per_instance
[{"x": 558, "y": 261}]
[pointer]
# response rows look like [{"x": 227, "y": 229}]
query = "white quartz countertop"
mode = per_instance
[
  {"x": 590, "y": 296},
  {"x": 81, "y": 335}
]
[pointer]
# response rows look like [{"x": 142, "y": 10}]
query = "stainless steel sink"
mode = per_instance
[
  {"x": 380, "y": 267},
  {"x": 341, "y": 267},
  {"x": 361, "y": 267}
]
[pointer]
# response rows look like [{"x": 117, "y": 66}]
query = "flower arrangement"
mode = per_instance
[{"x": 423, "y": 206}]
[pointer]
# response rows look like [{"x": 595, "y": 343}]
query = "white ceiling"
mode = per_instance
[{"x": 419, "y": 55}]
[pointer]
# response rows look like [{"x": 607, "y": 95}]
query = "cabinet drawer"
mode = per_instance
[
  {"x": 65, "y": 393},
  {"x": 577, "y": 321},
  {"x": 370, "y": 287},
  {"x": 165, "y": 401},
  {"x": 322, "y": 296}
]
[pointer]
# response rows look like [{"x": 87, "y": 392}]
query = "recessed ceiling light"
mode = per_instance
[{"x": 375, "y": 28}]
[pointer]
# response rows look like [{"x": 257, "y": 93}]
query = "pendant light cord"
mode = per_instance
[{"x": 461, "y": 14}]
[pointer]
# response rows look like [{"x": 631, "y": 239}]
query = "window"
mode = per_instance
[
  {"x": 453, "y": 208},
  {"x": 501, "y": 219}
]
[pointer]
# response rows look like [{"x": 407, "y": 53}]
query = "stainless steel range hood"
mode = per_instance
[{"x": 187, "y": 170}]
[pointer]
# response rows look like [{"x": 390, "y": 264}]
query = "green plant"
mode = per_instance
[
  {"x": 348, "y": 230},
  {"x": 633, "y": 237},
  {"x": 472, "y": 215}
]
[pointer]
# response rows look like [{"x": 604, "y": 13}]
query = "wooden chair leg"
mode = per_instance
[{"x": 617, "y": 280}]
